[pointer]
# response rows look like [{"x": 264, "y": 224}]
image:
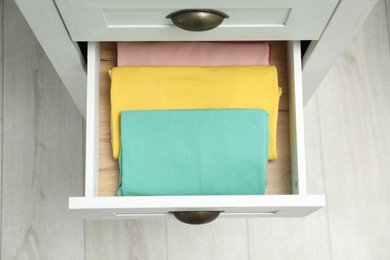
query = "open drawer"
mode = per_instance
[{"x": 286, "y": 177}]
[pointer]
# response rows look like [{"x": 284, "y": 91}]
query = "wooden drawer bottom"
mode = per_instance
[{"x": 278, "y": 172}]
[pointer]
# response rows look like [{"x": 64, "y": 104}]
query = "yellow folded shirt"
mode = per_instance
[{"x": 166, "y": 88}]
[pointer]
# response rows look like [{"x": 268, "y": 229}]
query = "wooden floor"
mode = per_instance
[{"x": 347, "y": 126}]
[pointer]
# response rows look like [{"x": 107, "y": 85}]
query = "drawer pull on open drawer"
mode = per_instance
[
  {"x": 197, "y": 20},
  {"x": 196, "y": 217}
]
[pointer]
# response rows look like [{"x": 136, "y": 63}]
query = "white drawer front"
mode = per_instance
[
  {"x": 229, "y": 206},
  {"x": 292, "y": 205},
  {"x": 121, "y": 20}
]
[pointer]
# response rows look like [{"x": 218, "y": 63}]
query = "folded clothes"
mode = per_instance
[
  {"x": 192, "y": 53},
  {"x": 164, "y": 88},
  {"x": 193, "y": 152}
]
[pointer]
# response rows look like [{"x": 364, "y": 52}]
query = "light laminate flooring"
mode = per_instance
[{"x": 347, "y": 126}]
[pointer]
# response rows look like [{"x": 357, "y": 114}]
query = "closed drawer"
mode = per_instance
[
  {"x": 286, "y": 177},
  {"x": 123, "y": 20}
]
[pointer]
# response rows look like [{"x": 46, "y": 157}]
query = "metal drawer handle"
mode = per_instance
[
  {"x": 196, "y": 217},
  {"x": 197, "y": 19}
]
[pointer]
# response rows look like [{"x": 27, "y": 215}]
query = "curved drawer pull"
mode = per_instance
[
  {"x": 197, "y": 19},
  {"x": 196, "y": 217}
]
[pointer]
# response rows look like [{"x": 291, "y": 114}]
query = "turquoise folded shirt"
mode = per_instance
[{"x": 193, "y": 152}]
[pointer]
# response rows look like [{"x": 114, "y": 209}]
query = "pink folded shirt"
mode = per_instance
[{"x": 193, "y": 53}]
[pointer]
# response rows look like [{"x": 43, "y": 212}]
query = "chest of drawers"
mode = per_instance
[{"x": 60, "y": 24}]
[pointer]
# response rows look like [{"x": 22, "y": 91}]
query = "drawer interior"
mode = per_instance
[
  {"x": 286, "y": 177},
  {"x": 279, "y": 179}
]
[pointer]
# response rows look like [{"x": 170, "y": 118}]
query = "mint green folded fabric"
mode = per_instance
[{"x": 193, "y": 152}]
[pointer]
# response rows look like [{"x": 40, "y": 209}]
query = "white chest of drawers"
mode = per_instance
[{"x": 329, "y": 24}]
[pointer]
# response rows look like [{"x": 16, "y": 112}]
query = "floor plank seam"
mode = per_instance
[
  {"x": 166, "y": 240},
  {"x": 324, "y": 174},
  {"x": 248, "y": 239},
  {"x": 2, "y": 117},
  {"x": 85, "y": 239}
]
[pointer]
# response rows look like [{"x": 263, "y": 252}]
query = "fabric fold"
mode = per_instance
[
  {"x": 193, "y": 53},
  {"x": 193, "y": 152},
  {"x": 172, "y": 88}
]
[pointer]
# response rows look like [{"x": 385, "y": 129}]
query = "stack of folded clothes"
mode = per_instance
[{"x": 193, "y": 118}]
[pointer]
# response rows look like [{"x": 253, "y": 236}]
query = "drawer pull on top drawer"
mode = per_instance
[
  {"x": 196, "y": 217},
  {"x": 197, "y": 20}
]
